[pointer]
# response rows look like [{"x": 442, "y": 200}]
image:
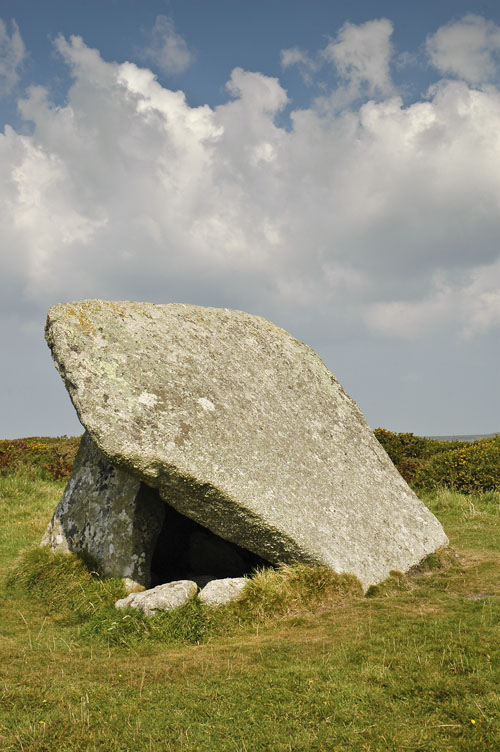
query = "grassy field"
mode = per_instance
[{"x": 414, "y": 667}]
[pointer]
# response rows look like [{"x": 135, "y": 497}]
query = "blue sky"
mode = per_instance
[
  {"x": 333, "y": 166},
  {"x": 223, "y": 34}
]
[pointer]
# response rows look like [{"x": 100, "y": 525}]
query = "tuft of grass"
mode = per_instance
[
  {"x": 63, "y": 583},
  {"x": 191, "y": 624},
  {"x": 294, "y": 588},
  {"x": 395, "y": 583},
  {"x": 443, "y": 558},
  {"x": 399, "y": 582},
  {"x": 470, "y": 520},
  {"x": 69, "y": 592}
]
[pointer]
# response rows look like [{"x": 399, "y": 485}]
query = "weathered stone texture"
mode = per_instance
[
  {"x": 218, "y": 592},
  {"x": 106, "y": 517},
  {"x": 161, "y": 598},
  {"x": 241, "y": 428}
]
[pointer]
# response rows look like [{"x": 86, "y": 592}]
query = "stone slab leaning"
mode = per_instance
[{"x": 241, "y": 428}]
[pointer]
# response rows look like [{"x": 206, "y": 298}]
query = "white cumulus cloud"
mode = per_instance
[
  {"x": 385, "y": 217},
  {"x": 468, "y": 49},
  {"x": 167, "y": 49},
  {"x": 362, "y": 55},
  {"x": 12, "y": 55},
  {"x": 306, "y": 64}
]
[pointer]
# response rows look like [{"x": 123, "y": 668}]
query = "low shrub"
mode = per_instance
[
  {"x": 401, "y": 446},
  {"x": 49, "y": 458},
  {"x": 470, "y": 468}
]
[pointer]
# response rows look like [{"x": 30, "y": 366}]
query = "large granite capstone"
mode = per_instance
[{"x": 236, "y": 426}]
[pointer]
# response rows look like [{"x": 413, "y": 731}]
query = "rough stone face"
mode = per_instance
[
  {"x": 161, "y": 598},
  {"x": 241, "y": 428},
  {"x": 107, "y": 517},
  {"x": 217, "y": 592}
]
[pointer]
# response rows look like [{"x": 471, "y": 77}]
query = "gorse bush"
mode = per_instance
[
  {"x": 424, "y": 463},
  {"x": 49, "y": 458},
  {"x": 409, "y": 453},
  {"x": 470, "y": 467}
]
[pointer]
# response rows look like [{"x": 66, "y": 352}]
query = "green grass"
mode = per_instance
[
  {"x": 304, "y": 662},
  {"x": 27, "y": 502}
]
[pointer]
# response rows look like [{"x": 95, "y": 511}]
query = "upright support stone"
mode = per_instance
[{"x": 108, "y": 517}]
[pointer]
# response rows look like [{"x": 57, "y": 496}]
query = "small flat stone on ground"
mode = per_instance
[
  {"x": 218, "y": 592},
  {"x": 161, "y": 598}
]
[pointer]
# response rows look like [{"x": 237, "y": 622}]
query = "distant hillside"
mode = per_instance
[{"x": 470, "y": 437}]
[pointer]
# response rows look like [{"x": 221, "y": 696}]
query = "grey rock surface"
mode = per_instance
[
  {"x": 218, "y": 592},
  {"x": 161, "y": 598},
  {"x": 241, "y": 428},
  {"x": 107, "y": 518}
]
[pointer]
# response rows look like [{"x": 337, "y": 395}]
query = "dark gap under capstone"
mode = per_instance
[{"x": 185, "y": 550}]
